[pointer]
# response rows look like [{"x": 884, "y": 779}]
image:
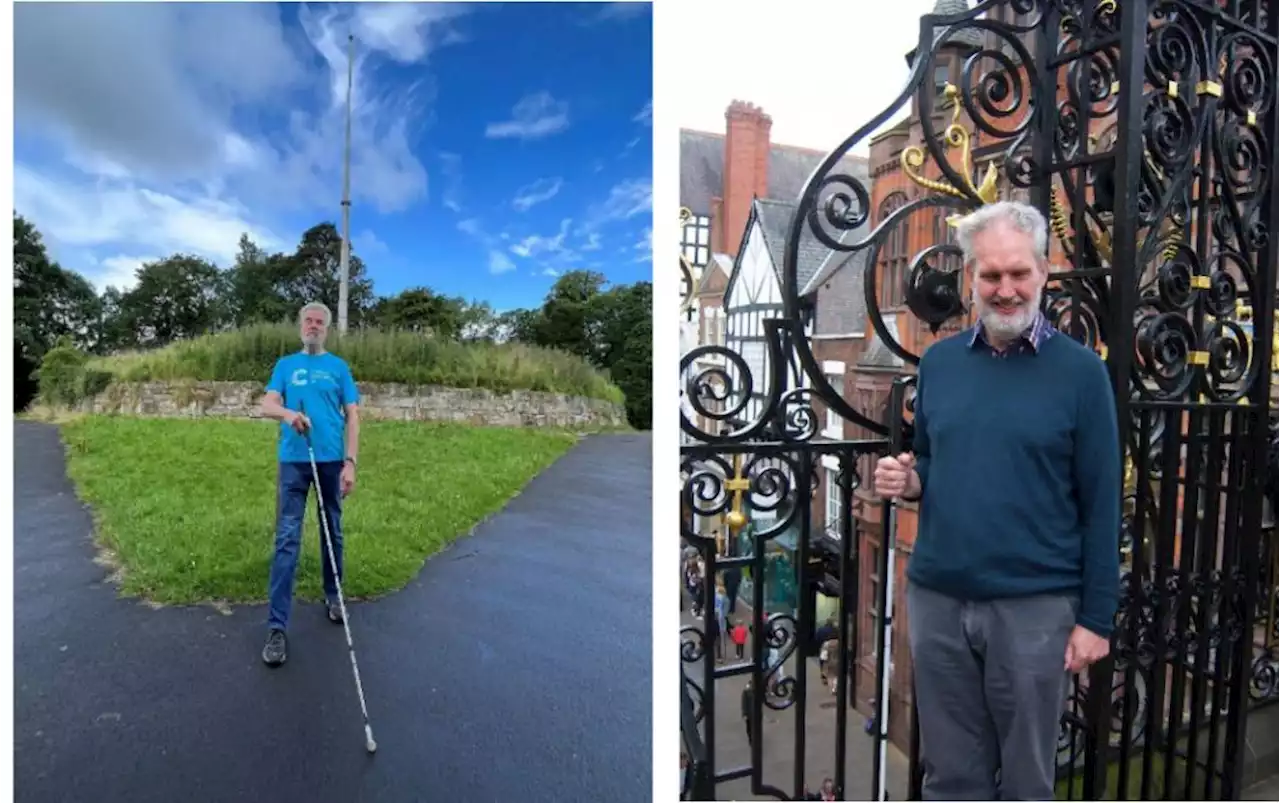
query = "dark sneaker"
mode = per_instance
[
  {"x": 333, "y": 611},
  {"x": 277, "y": 648}
]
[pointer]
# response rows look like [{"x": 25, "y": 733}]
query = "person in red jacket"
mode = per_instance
[{"x": 739, "y": 636}]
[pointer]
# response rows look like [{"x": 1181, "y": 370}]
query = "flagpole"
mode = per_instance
[{"x": 345, "y": 267}]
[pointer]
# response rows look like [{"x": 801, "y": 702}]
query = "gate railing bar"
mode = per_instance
[
  {"x": 850, "y": 578},
  {"x": 1128, "y": 181},
  {"x": 709, "y": 703},
  {"x": 803, "y": 622},
  {"x": 1263, "y": 331},
  {"x": 696, "y": 785},
  {"x": 1188, "y": 537},
  {"x": 1205, "y": 569},
  {"x": 1137, "y": 593}
]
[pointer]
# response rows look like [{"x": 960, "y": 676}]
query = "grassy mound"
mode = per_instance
[
  {"x": 188, "y": 506},
  {"x": 247, "y": 355}
]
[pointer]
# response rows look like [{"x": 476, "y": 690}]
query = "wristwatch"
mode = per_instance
[{"x": 350, "y": 460}]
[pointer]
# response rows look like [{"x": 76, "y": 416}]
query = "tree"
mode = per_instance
[
  {"x": 254, "y": 285},
  {"x": 566, "y": 322},
  {"x": 314, "y": 274},
  {"x": 616, "y": 317},
  {"x": 418, "y": 309},
  {"x": 622, "y": 323},
  {"x": 612, "y": 329},
  {"x": 48, "y": 301},
  {"x": 115, "y": 328},
  {"x": 176, "y": 298},
  {"x": 479, "y": 323}
]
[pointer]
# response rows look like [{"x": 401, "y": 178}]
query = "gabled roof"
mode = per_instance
[
  {"x": 715, "y": 276},
  {"x": 775, "y": 222},
  {"x": 774, "y": 219}
]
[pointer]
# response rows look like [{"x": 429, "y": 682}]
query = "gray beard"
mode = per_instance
[{"x": 1003, "y": 327}]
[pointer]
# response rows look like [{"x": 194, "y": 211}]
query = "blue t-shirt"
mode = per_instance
[{"x": 319, "y": 386}]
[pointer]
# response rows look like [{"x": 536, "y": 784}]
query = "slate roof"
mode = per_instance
[
  {"x": 775, "y": 222},
  {"x": 970, "y": 37},
  {"x": 702, "y": 169},
  {"x": 840, "y": 306},
  {"x": 877, "y": 354},
  {"x": 702, "y": 177}
]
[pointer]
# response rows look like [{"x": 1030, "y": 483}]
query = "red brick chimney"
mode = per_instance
[{"x": 746, "y": 168}]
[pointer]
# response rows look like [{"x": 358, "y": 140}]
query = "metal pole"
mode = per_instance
[{"x": 345, "y": 267}]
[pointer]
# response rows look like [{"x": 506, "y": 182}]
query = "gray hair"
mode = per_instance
[
  {"x": 1022, "y": 217},
  {"x": 328, "y": 316}
]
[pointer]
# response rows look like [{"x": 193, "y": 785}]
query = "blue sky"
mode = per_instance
[{"x": 495, "y": 145}]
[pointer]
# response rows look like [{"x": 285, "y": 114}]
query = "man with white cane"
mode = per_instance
[
  {"x": 1014, "y": 579},
  {"x": 321, "y": 384}
]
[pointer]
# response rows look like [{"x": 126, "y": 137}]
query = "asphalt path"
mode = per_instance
[{"x": 516, "y": 666}]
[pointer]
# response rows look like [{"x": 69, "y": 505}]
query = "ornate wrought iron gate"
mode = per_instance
[{"x": 1144, "y": 129}]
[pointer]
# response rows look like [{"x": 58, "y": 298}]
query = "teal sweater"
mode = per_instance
[{"x": 1019, "y": 460}]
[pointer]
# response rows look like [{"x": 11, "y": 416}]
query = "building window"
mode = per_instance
[
  {"x": 871, "y": 576},
  {"x": 834, "y": 503},
  {"x": 835, "y": 423},
  {"x": 893, "y": 255},
  {"x": 695, "y": 241},
  {"x": 713, "y": 326},
  {"x": 941, "y": 77}
]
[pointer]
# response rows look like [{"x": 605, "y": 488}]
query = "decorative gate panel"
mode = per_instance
[{"x": 1145, "y": 131}]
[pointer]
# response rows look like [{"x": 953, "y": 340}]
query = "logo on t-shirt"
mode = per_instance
[{"x": 299, "y": 378}]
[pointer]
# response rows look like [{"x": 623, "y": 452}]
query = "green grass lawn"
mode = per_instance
[{"x": 187, "y": 507}]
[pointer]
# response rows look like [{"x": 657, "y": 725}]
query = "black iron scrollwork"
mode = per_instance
[{"x": 1160, "y": 198}]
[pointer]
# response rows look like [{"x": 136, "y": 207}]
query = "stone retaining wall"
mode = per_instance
[{"x": 520, "y": 408}]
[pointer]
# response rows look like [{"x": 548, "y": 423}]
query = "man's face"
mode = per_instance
[
  {"x": 1008, "y": 279},
  {"x": 313, "y": 327}
]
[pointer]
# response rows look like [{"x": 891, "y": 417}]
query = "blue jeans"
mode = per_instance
[{"x": 294, "y": 485}]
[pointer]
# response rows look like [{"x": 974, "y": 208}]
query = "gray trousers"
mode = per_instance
[{"x": 990, "y": 692}]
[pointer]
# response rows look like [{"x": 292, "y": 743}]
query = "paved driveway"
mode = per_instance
[{"x": 516, "y": 666}]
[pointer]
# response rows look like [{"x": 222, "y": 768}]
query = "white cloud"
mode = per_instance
[
  {"x": 540, "y": 191},
  {"x": 817, "y": 96},
  {"x": 120, "y": 271},
  {"x": 645, "y": 246},
  {"x": 645, "y": 115},
  {"x": 626, "y": 200},
  {"x": 96, "y": 165},
  {"x": 367, "y": 242},
  {"x": 498, "y": 260},
  {"x": 141, "y": 100},
  {"x": 451, "y": 167},
  {"x": 500, "y": 263},
  {"x": 535, "y": 116},
  {"x": 552, "y": 272},
  {"x": 612, "y": 12},
  {"x": 535, "y": 246},
  {"x": 406, "y": 31},
  {"x": 122, "y": 215}
]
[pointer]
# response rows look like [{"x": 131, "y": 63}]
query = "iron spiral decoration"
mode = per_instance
[{"x": 1144, "y": 130}]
